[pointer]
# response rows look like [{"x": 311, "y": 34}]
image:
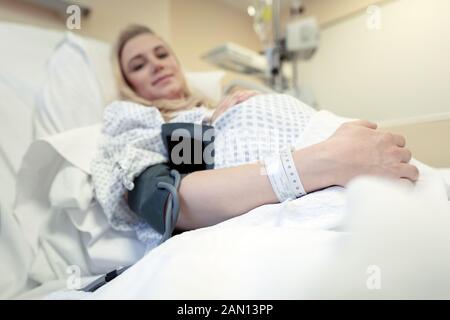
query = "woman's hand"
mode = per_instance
[
  {"x": 356, "y": 148},
  {"x": 232, "y": 100}
]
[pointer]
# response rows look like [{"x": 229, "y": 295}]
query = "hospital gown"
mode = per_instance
[{"x": 131, "y": 142}]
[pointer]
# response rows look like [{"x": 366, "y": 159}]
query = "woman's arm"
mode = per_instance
[{"x": 213, "y": 196}]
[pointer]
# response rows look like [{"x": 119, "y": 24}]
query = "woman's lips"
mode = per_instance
[{"x": 162, "y": 79}]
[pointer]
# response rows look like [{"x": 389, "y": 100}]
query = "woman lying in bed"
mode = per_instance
[{"x": 254, "y": 163}]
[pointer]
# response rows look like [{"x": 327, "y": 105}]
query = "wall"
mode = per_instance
[
  {"x": 330, "y": 11},
  {"x": 399, "y": 74},
  {"x": 402, "y": 70},
  {"x": 426, "y": 136},
  {"x": 21, "y": 12},
  {"x": 197, "y": 26},
  {"x": 106, "y": 19}
]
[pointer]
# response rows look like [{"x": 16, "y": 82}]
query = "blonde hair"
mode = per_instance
[{"x": 168, "y": 107}]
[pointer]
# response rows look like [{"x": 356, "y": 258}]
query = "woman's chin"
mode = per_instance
[{"x": 172, "y": 93}]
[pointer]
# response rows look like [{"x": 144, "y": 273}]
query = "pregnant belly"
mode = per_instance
[{"x": 262, "y": 125}]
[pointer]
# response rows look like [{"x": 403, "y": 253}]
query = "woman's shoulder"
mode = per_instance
[
  {"x": 194, "y": 115},
  {"x": 126, "y": 107},
  {"x": 123, "y": 115}
]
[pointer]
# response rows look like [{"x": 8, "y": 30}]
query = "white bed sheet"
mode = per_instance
[
  {"x": 445, "y": 174},
  {"x": 299, "y": 250},
  {"x": 20, "y": 77},
  {"x": 25, "y": 51}
]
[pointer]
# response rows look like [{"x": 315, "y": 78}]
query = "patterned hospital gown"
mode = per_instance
[{"x": 131, "y": 141}]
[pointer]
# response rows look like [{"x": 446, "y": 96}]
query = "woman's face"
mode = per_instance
[{"x": 151, "y": 68}]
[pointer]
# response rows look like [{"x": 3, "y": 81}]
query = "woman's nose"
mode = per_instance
[
  {"x": 157, "y": 65},
  {"x": 157, "y": 68}
]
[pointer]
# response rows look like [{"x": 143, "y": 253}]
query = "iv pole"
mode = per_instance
[
  {"x": 276, "y": 53},
  {"x": 280, "y": 52}
]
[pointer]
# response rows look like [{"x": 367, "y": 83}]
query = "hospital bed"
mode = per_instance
[{"x": 54, "y": 238}]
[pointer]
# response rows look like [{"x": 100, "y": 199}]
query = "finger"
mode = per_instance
[
  {"x": 231, "y": 101},
  {"x": 399, "y": 140},
  {"x": 405, "y": 155},
  {"x": 365, "y": 123},
  {"x": 247, "y": 93},
  {"x": 221, "y": 103},
  {"x": 409, "y": 171},
  {"x": 237, "y": 95},
  {"x": 246, "y": 96},
  {"x": 251, "y": 92},
  {"x": 225, "y": 102},
  {"x": 221, "y": 107}
]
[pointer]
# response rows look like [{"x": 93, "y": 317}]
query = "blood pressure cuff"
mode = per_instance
[
  {"x": 190, "y": 146},
  {"x": 154, "y": 198},
  {"x": 155, "y": 195}
]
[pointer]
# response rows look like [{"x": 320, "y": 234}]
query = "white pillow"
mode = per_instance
[
  {"x": 80, "y": 83},
  {"x": 71, "y": 96},
  {"x": 209, "y": 83}
]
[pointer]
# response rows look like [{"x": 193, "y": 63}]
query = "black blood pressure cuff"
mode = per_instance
[
  {"x": 190, "y": 146},
  {"x": 154, "y": 197}
]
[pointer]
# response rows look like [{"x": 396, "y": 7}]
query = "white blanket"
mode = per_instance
[
  {"x": 64, "y": 226},
  {"x": 392, "y": 243},
  {"x": 273, "y": 251},
  {"x": 400, "y": 232}
]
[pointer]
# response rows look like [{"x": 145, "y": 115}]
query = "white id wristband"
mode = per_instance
[
  {"x": 278, "y": 178},
  {"x": 292, "y": 174}
]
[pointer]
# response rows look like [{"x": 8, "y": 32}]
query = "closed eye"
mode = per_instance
[
  {"x": 137, "y": 64},
  {"x": 161, "y": 52},
  {"x": 137, "y": 67},
  {"x": 163, "y": 55}
]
